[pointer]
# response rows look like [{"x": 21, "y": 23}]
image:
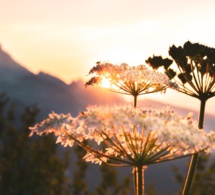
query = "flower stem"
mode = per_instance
[
  {"x": 135, "y": 101},
  {"x": 194, "y": 157},
  {"x": 139, "y": 180},
  {"x": 202, "y": 113}
]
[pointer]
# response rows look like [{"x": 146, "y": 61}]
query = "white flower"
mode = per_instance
[
  {"x": 128, "y": 136},
  {"x": 53, "y": 123},
  {"x": 91, "y": 157},
  {"x": 131, "y": 80}
]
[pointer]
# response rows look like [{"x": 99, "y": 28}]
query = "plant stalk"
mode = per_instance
[
  {"x": 135, "y": 101},
  {"x": 139, "y": 180},
  {"x": 194, "y": 157}
]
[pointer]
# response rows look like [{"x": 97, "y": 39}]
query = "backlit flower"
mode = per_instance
[
  {"x": 194, "y": 71},
  {"x": 128, "y": 136},
  {"x": 129, "y": 80}
]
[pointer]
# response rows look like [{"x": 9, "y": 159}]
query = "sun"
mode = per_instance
[{"x": 105, "y": 83}]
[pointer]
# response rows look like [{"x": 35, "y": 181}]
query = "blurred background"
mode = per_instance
[{"x": 47, "y": 49}]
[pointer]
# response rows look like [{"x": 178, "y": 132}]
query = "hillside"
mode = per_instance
[{"x": 46, "y": 91}]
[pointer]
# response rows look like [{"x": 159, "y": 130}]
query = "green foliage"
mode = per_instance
[
  {"x": 79, "y": 184},
  {"x": 151, "y": 190},
  {"x": 109, "y": 183},
  {"x": 28, "y": 166}
]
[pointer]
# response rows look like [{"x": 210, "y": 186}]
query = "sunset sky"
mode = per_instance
[{"x": 65, "y": 38}]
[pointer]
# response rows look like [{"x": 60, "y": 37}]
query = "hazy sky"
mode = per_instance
[{"x": 65, "y": 38}]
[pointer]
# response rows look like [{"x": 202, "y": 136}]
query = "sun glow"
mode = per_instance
[
  {"x": 123, "y": 55},
  {"x": 105, "y": 83}
]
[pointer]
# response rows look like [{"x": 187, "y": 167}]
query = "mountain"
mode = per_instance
[
  {"x": 9, "y": 69},
  {"x": 51, "y": 94},
  {"x": 46, "y": 91}
]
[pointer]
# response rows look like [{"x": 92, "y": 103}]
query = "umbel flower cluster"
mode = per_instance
[
  {"x": 129, "y": 136},
  {"x": 129, "y": 80},
  {"x": 195, "y": 69}
]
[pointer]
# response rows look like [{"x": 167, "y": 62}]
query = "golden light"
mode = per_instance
[
  {"x": 122, "y": 55},
  {"x": 105, "y": 83}
]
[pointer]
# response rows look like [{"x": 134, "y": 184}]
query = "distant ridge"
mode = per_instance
[
  {"x": 51, "y": 79},
  {"x": 9, "y": 69},
  {"x": 49, "y": 93}
]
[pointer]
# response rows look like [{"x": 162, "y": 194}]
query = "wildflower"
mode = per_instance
[
  {"x": 131, "y": 136},
  {"x": 195, "y": 72},
  {"x": 129, "y": 80}
]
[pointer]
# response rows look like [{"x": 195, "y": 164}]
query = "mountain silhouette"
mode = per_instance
[
  {"x": 48, "y": 92},
  {"x": 9, "y": 69}
]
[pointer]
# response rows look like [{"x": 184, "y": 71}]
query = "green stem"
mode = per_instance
[
  {"x": 139, "y": 180},
  {"x": 194, "y": 157}
]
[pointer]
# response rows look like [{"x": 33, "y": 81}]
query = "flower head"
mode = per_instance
[
  {"x": 130, "y": 80},
  {"x": 195, "y": 72},
  {"x": 129, "y": 137}
]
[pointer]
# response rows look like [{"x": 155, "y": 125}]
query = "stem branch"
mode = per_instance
[{"x": 194, "y": 157}]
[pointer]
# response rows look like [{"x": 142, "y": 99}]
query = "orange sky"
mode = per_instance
[{"x": 65, "y": 38}]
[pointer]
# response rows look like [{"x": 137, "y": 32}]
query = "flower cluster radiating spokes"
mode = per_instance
[
  {"x": 129, "y": 80},
  {"x": 129, "y": 137},
  {"x": 195, "y": 72}
]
